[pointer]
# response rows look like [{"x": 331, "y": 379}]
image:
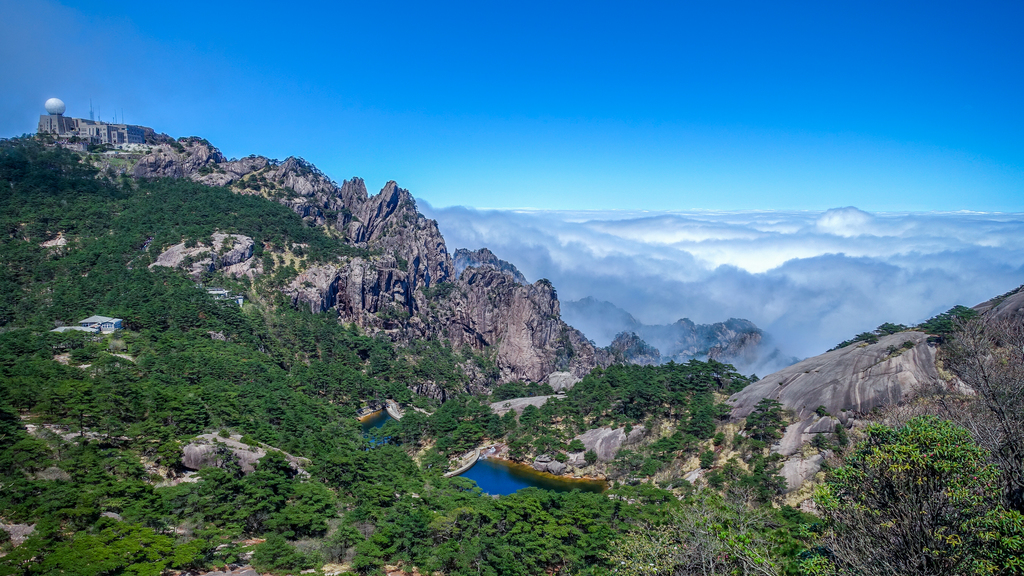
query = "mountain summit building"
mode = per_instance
[{"x": 91, "y": 131}]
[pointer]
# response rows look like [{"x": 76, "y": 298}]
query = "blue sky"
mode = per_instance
[{"x": 645, "y": 106}]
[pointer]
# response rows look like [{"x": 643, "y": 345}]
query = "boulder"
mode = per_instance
[
  {"x": 519, "y": 404},
  {"x": 606, "y": 441},
  {"x": 545, "y": 463},
  {"x": 556, "y": 468},
  {"x": 562, "y": 381},
  {"x": 231, "y": 252},
  {"x": 210, "y": 450},
  {"x": 797, "y": 470}
]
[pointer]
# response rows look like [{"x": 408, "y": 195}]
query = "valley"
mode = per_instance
[{"x": 211, "y": 431}]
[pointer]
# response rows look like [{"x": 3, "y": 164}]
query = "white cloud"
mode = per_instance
[{"x": 810, "y": 279}]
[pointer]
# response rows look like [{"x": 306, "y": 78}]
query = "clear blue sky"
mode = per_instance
[{"x": 660, "y": 106}]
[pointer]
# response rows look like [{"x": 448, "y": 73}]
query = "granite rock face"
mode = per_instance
[
  {"x": 519, "y": 404},
  {"x": 562, "y": 381},
  {"x": 631, "y": 349},
  {"x": 1008, "y": 307},
  {"x": 519, "y": 325},
  {"x": 223, "y": 252},
  {"x": 849, "y": 381},
  {"x": 797, "y": 470},
  {"x": 403, "y": 284},
  {"x": 484, "y": 258},
  {"x": 799, "y": 433},
  {"x": 186, "y": 159},
  {"x": 606, "y": 441},
  {"x": 210, "y": 450}
]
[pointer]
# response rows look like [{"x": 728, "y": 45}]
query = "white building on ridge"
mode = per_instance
[{"x": 56, "y": 123}]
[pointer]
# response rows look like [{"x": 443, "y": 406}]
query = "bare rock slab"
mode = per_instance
[{"x": 855, "y": 379}]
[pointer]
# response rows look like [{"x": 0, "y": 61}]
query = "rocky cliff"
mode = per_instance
[
  {"x": 630, "y": 348},
  {"x": 403, "y": 283},
  {"x": 484, "y": 258},
  {"x": 519, "y": 326}
]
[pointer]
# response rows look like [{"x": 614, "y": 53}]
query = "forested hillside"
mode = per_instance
[{"x": 98, "y": 431}]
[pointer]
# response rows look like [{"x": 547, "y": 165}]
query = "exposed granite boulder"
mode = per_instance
[
  {"x": 799, "y": 433},
  {"x": 562, "y": 381},
  {"x": 541, "y": 463},
  {"x": 1008, "y": 307},
  {"x": 854, "y": 379},
  {"x": 484, "y": 258},
  {"x": 230, "y": 252},
  {"x": 606, "y": 441},
  {"x": 520, "y": 404},
  {"x": 210, "y": 450},
  {"x": 18, "y": 532},
  {"x": 797, "y": 470},
  {"x": 186, "y": 159},
  {"x": 545, "y": 463}
]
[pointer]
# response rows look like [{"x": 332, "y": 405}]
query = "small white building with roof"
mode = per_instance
[{"x": 103, "y": 324}]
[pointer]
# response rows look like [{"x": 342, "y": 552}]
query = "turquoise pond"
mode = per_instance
[{"x": 500, "y": 477}]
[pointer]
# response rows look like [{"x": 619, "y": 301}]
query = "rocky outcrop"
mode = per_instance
[
  {"x": 228, "y": 252},
  {"x": 797, "y": 470},
  {"x": 1009, "y": 307},
  {"x": 209, "y": 450},
  {"x": 18, "y": 532},
  {"x": 849, "y": 381},
  {"x": 545, "y": 463},
  {"x": 484, "y": 258},
  {"x": 606, "y": 441},
  {"x": 518, "y": 325},
  {"x": 562, "y": 381},
  {"x": 799, "y": 433},
  {"x": 520, "y": 404},
  {"x": 631, "y": 349},
  {"x": 403, "y": 283},
  {"x": 191, "y": 157}
]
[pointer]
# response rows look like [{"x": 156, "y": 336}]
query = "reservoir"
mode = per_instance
[{"x": 500, "y": 477}]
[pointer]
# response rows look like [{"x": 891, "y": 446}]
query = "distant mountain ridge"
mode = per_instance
[{"x": 734, "y": 341}]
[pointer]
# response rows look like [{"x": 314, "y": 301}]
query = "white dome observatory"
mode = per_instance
[{"x": 55, "y": 106}]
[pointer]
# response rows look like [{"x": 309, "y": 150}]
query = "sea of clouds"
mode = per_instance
[{"x": 809, "y": 278}]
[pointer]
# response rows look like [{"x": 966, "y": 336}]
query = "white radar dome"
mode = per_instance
[{"x": 55, "y": 106}]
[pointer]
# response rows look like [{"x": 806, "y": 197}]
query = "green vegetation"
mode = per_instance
[
  {"x": 925, "y": 499},
  {"x": 102, "y": 477}
]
